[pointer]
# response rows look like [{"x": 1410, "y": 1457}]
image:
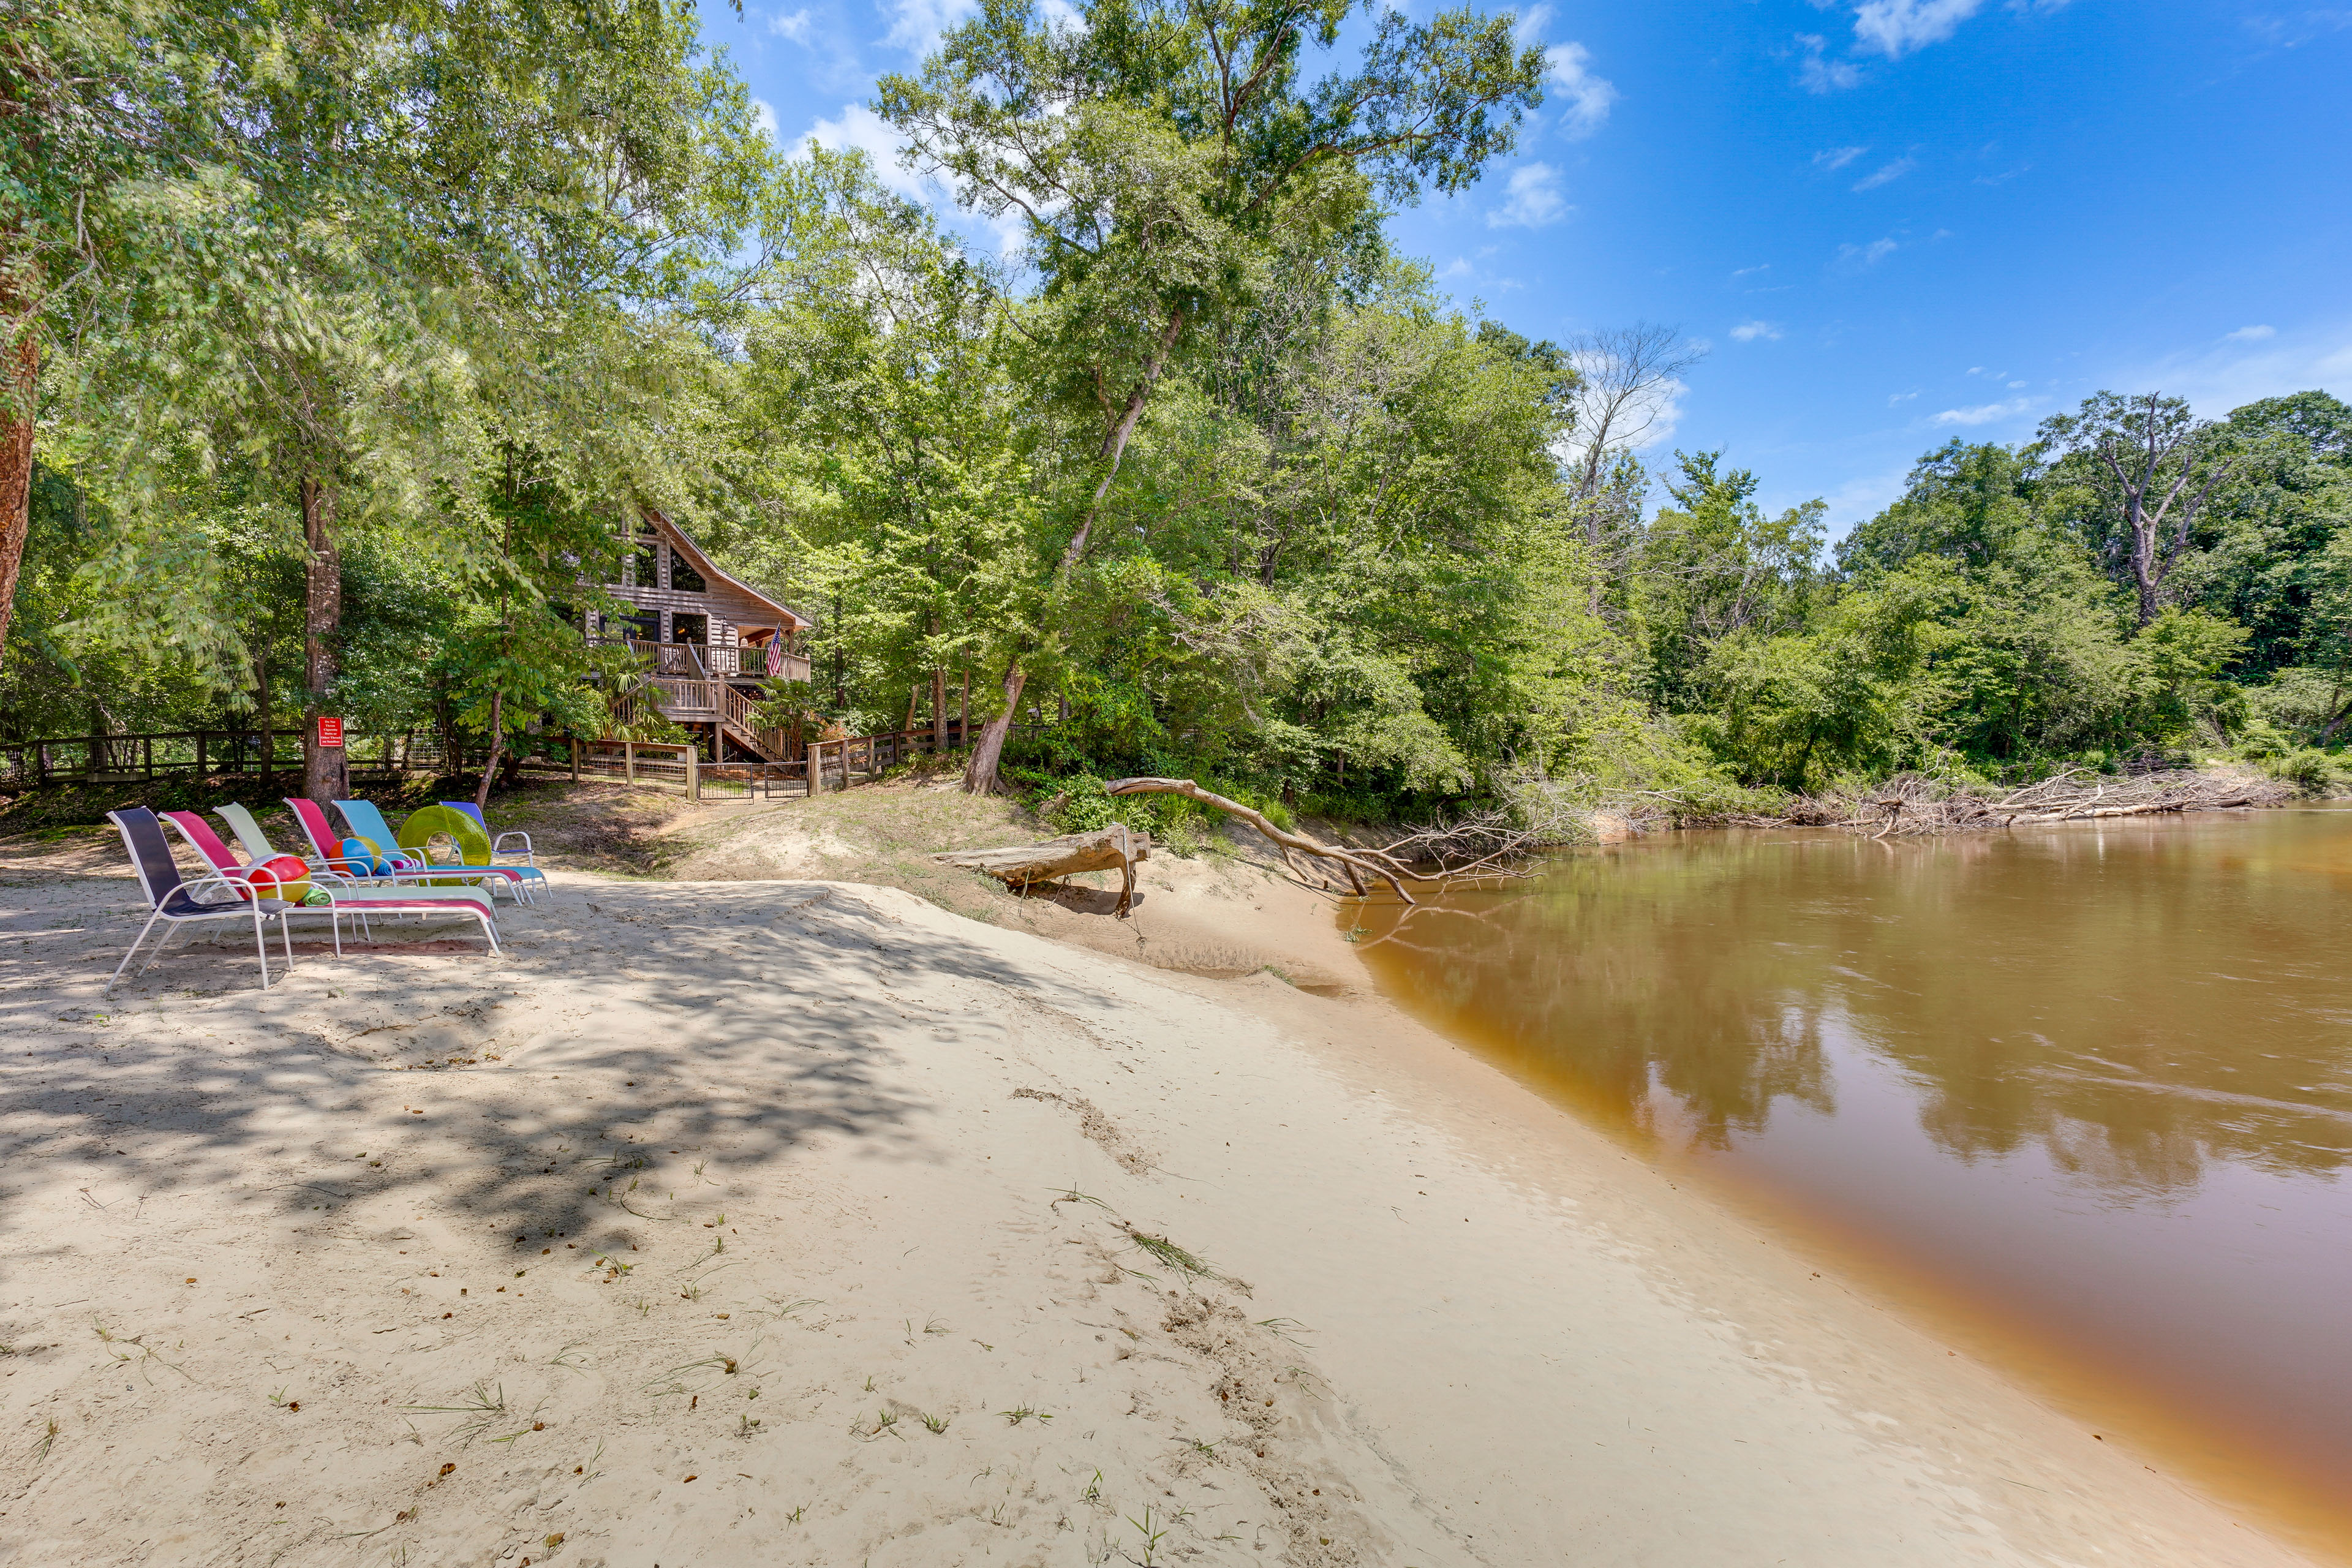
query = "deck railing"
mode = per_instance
[{"x": 700, "y": 661}]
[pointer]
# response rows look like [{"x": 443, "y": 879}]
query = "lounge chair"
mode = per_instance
[
  {"x": 499, "y": 848},
  {"x": 431, "y": 822},
  {"x": 177, "y": 900},
  {"x": 344, "y": 895}
]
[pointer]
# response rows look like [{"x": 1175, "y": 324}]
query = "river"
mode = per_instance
[{"x": 2082, "y": 1093}]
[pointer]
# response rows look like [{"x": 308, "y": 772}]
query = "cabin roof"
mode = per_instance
[{"x": 791, "y": 619}]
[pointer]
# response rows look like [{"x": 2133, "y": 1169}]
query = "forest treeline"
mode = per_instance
[{"x": 346, "y": 341}]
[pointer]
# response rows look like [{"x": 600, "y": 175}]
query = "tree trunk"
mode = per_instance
[
  {"x": 983, "y": 780},
  {"x": 2145, "y": 578},
  {"x": 16, "y": 411},
  {"x": 980, "y": 773},
  {"x": 261, "y": 669},
  {"x": 939, "y": 711},
  {"x": 490, "y": 762},
  {"x": 322, "y": 615},
  {"x": 1352, "y": 862}
]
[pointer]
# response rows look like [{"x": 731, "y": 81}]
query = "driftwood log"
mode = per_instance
[
  {"x": 1021, "y": 867},
  {"x": 1910, "y": 805},
  {"x": 1356, "y": 864}
]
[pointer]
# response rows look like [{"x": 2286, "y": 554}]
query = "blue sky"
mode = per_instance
[{"x": 1891, "y": 221}]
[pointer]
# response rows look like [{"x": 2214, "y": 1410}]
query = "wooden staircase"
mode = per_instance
[
  {"x": 768, "y": 743},
  {"x": 690, "y": 702}
]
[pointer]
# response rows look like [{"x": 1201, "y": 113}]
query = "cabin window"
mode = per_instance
[
  {"x": 685, "y": 578},
  {"x": 690, "y": 628},
  {"x": 642, "y": 570},
  {"x": 644, "y": 626}
]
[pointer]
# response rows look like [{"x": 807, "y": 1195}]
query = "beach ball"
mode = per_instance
[{"x": 293, "y": 877}]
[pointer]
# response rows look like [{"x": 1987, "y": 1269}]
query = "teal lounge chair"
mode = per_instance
[{"x": 364, "y": 819}]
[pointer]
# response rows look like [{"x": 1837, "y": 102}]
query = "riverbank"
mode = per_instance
[{"x": 793, "y": 1221}]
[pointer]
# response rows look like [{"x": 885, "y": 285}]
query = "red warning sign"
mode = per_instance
[{"x": 331, "y": 731}]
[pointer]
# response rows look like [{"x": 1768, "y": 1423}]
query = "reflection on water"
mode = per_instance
[{"x": 2098, "y": 1078}]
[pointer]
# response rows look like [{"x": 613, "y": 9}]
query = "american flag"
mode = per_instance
[{"x": 775, "y": 658}]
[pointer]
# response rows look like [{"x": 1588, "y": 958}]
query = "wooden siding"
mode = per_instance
[{"x": 735, "y": 612}]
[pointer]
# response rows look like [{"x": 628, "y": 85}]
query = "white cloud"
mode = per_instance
[
  {"x": 1857, "y": 256},
  {"x": 2250, "y": 334},
  {"x": 2017, "y": 387},
  {"x": 1895, "y": 27},
  {"x": 915, "y": 25},
  {"x": 1457, "y": 267},
  {"x": 1533, "y": 199},
  {"x": 1752, "y": 271},
  {"x": 1567, "y": 67},
  {"x": 861, "y": 129},
  {"x": 1984, "y": 413},
  {"x": 1749, "y": 331},
  {"x": 763, "y": 115},
  {"x": 1819, "y": 73},
  {"x": 1886, "y": 174},
  {"x": 794, "y": 27},
  {"x": 2221, "y": 377},
  {"x": 1830, "y": 159},
  {"x": 2293, "y": 31},
  {"x": 1900, "y": 397},
  {"x": 1669, "y": 415}
]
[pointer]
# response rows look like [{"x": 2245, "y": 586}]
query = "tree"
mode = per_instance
[
  {"x": 1713, "y": 565},
  {"x": 882, "y": 412},
  {"x": 94, "y": 100},
  {"x": 1626, "y": 379},
  {"x": 1969, "y": 504},
  {"x": 1158, "y": 155},
  {"x": 428, "y": 230},
  {"x": 2151, "y": 464}
]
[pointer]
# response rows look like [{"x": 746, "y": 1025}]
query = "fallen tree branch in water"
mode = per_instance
[{"x": 1911, "y": 805}]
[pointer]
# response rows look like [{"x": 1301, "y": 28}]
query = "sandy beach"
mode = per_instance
[{"x": 784, "y": 1219}]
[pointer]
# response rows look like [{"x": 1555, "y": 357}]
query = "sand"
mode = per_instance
[{"x": 804, "y": 1222}]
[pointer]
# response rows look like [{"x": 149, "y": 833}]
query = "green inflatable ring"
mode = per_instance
[{"x": 430, "y": 822}]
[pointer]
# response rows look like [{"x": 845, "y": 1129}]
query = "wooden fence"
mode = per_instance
[
  {"x": 200, "y": 753},
  {"x": 274, "y": 754},
  {"x": 834, "y": 764}
]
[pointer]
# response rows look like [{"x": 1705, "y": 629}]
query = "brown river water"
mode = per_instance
[{"x": 2082, "y": 1093}]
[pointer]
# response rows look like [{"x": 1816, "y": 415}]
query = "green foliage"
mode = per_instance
[{"x": 1206, "y": 482}]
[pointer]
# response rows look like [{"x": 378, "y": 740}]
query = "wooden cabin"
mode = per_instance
[{"x": 706, "y": 640}]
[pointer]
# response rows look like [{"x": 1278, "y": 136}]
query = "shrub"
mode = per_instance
[{"x": 2311, "y": 770}]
